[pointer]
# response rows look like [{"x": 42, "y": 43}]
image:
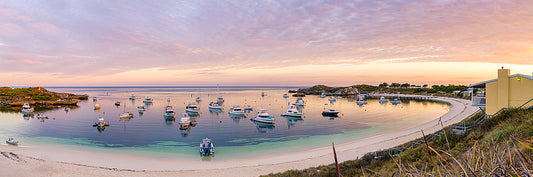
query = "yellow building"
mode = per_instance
[{"x": 507, "y": 91}]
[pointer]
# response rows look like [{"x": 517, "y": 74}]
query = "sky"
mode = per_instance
[{"x": 262, "y": 43}]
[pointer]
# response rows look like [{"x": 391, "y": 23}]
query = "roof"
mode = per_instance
[{"x": 482, "y": 84}]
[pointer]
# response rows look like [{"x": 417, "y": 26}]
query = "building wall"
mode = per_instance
[
  {"x": 520, "y": 91},
  {"x": 491, "y": 97}
]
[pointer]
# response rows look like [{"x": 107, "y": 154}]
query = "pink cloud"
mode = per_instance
[
  {"x": 7, "y": 12},
  {"x": 10, "y": 29},
  {"x": 47, "y": 27}
]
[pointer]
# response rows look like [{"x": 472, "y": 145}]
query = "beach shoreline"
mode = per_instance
[{"x": 52, "y": 162}]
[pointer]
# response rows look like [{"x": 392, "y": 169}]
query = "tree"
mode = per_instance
[
  {"x": 405, "y": 85},
  {"x": 384, "y": 84},
  {"x": 425, "y": 85},
  {"x": 395, "y": 85}
]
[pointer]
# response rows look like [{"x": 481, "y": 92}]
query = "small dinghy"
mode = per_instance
[
  {"x": 12, "y": 141},
  {"x": 41, "y": 116},
  {"x": 206, "y": 147}
]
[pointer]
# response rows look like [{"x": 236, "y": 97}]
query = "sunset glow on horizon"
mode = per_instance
[{"x": 262, "y": 43}]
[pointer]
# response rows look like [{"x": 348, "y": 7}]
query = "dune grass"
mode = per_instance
[{"x": 499, "y": 146}]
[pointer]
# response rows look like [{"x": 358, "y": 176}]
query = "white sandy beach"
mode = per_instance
[{"x": 49, "y": 161}]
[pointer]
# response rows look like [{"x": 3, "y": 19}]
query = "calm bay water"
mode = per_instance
[{"x": 150, "y": 134}]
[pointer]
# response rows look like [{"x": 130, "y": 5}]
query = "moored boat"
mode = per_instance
[
  {"x": 96, "y": 106},
  {"x": 117, "y": 103},
  {"x": 12, "y": 141},
  {"x": 169, "y": 113},
  {"x": 185, "y": 121},
  {"x": 141, "y": 108},
  {"x": 383, "y": 100},
  {"x": 147, "y": 100},
  {"x": 292, "y": 112},
  {"x": 263, "y": 116},
  {"x": 126, "y": 115},
  {"x": 285, "y": 95},
  {"x": 100, "y": 124},
  {"x": 332, "y": 98},
  {"x": 361, "y": 100},
  {"x": 26, "y": 108},
  {"x": 41, "y": 116},
  {"x": 395, "y": 101},
  {"x": 330, "y": 112},
  {"x": 236, "y": 110},
  {"x": 192, "y": 108},
  {"x": 198, "y": 99},
  {"x": 213, "y": 105},
  {"x": 206, "y": 147}
]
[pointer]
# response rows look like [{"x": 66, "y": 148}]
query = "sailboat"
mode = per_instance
[{"x": 126, "y": 115}]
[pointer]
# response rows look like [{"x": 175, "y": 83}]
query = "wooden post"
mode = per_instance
[{"x": 336, "y": 162}]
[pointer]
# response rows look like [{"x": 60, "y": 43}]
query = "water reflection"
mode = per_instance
[
  {"x": 291, "y": 121},
  {"x": 263, "y": 127}
]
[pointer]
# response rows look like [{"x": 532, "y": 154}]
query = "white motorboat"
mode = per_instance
[
  {"x": 169, "y": 113},
  {"x": 185, "y": 121},
  {"x": 332, "y": 98},
  {"x": 41, "y": 116},
  {"x": 236, "y": 110},
  {"x": 285, "y": 96},
  {"x": 292, "y": 112},
  {"x": 299, "y": 102},
  {"x": 322, "y": 95},
  {"x": 26, "y": 108},
  {"x": 213, "y": 105},
  {"x": 12, "y": 141},
  {"x": 263, "y": 116},
  {"x": 361, "y": 100},
  {"x": 147, "y": 100},
  {"x": 192, "y": 108},
  {"x": 141, "y": 108},
  {"x": 198, "y": 99},
  {"x": 96, "y": 106},
  {"x": 383, "y": 100},
  {"x": 330, "y": 112},
  {"x": 206, "y": 147},
  {"x": 339, "y": 97},
  {"x": 395, "y": 101}
]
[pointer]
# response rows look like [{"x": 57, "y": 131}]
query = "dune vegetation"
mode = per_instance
[{"x": 498, "y": 146}]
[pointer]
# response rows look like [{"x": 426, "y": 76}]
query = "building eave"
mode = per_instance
[{"x": 482, "y": 84}]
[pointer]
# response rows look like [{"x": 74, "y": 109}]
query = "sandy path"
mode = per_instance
[{"x": 48, "y": 161}]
